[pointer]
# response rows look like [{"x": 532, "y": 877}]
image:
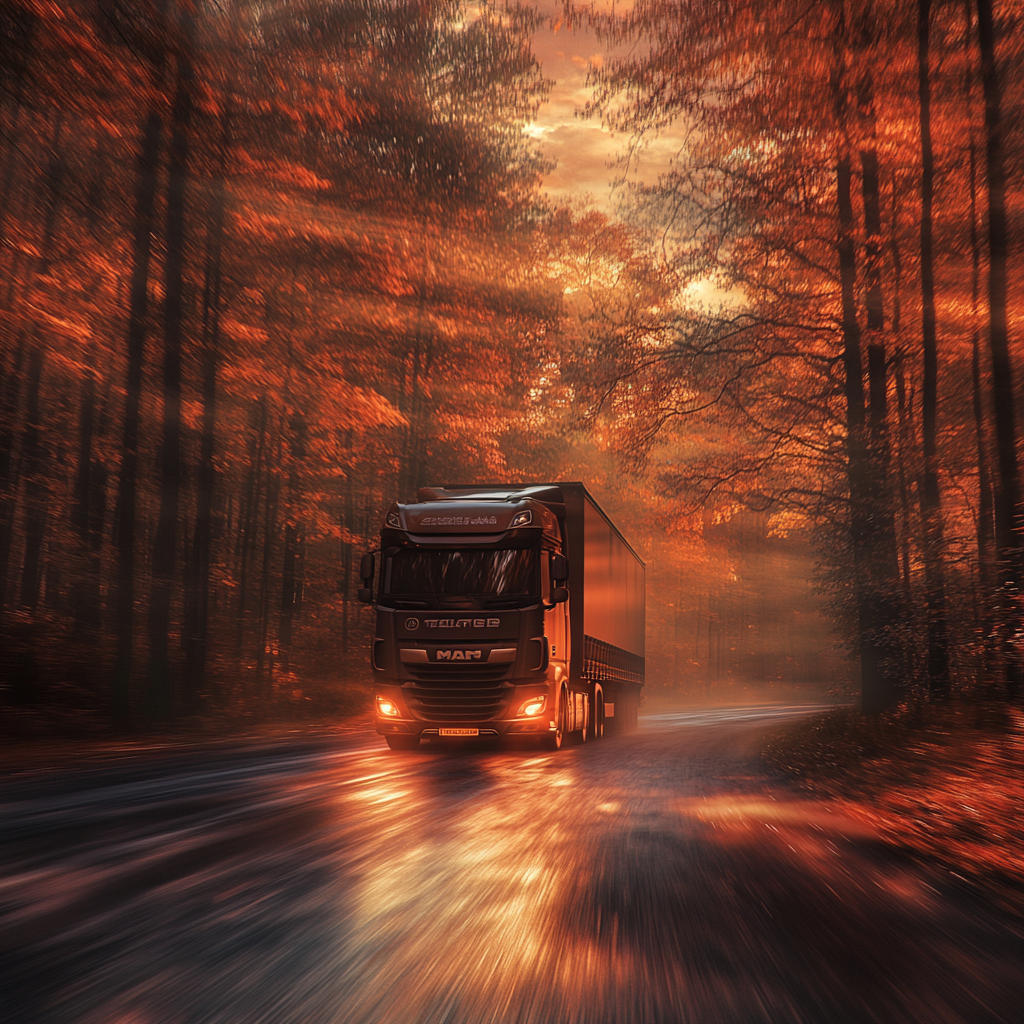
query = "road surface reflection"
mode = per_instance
[{"x": 656, "y": 877}]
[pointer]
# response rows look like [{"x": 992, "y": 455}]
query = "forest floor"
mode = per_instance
[{"x": 942, "y": 784}]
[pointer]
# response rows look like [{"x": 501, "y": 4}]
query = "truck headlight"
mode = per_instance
[
  {"x": 534, "y": 706},
  {"x": 523, "y": 518},
  {"x": 387, "y": 708}
]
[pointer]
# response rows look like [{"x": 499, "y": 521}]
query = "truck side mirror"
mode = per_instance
[
  {"x": 559, "y": 595},
  {"x": 366, "y": 568},
  {"x": 559, "y": 568}
]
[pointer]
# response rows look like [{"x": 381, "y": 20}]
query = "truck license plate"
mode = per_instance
[{"x": 458, "y": 732}]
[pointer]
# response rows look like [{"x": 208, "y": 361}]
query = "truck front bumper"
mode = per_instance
[
  {"x": 437, "y": 725},
  {"x": 410, "y": 718},
  {"x": 436, "y": 730}
]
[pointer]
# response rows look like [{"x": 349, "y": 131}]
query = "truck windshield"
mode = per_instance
[{"x": 469, "y": 577}]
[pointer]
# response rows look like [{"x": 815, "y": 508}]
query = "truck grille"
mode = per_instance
[
  {"x": 456, "y": 702},
  {"x": 457, "y": 674}
]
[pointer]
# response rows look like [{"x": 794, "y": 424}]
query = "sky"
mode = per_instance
[{"x": 585, "y": 151}]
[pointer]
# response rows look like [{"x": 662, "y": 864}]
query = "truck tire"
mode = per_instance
[
  {"x": 403, "y": 742},
  {"x": 583, "y": 733},
  {"x": 553, "y": 740},
  {"x": 597, "y": 729}
]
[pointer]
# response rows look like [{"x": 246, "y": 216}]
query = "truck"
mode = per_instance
[{"x": 504, "y": 610}]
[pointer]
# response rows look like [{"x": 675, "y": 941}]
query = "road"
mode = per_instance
[{"x": 657, "y": 877}]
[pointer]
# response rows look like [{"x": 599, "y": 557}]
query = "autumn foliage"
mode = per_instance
[
  {"x": 263, "y": 265},
  {"x": 267, "y": 267},
  {"x": 845, "y": 202}
]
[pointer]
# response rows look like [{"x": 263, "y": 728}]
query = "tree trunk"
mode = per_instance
[
  {"x": 160, "y": 683},
  {"x": 931, "y": 505},
  {"x": 86, "y": 589},
  {"x": 8, "y": 467},
  {"x": 300, "y": 574},
  {"x": 1009, "y": 529},
  {"x": 33, "y": 449},
  {"x": 35, "y": 490},
  {"x": 249, "y": 522},
  {"x": 265, "y": 688},
  {"x": 348, "y": 525},
  {"x": 18, "y": 30},
  {"x": 124, "y": 605},
  {"x": 903, "y": 446},
  {"x": 882, "y": 552},
  {"x": 985, "y": 524},
  {"x": 289, "y": 568},
  {"x": 876, "y": 690},
  {"x": 904, "y": 426},
  {"x": 291, "y": 589},
  {"x": 198, "y": 596}
]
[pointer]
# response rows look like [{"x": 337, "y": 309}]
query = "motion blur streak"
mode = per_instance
[{"x": 658, "y": 877}]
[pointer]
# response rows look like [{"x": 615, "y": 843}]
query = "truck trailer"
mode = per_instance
[{"x": 504, "y": 610}]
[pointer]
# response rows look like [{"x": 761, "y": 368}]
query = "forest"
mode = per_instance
[{"x": 266, "y": 267}]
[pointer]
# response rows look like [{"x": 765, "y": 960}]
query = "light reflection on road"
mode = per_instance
[{"x": 654, "y": 877}]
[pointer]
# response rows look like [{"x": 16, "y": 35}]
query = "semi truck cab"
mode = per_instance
[{"x": 479, "y": 619}]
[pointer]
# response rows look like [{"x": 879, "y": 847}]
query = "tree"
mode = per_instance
[
  {"x": 776, "y": 105},
  {"x": 232, "y": 182},
  {"x": 1009, "y": 530}
]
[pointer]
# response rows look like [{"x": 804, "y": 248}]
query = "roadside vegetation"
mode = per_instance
[{"x": 941, "y": 783}]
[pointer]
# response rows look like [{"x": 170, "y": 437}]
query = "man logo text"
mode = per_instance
[{"x": 458, "y": 655}]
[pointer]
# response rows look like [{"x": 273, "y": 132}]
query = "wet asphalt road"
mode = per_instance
[{"x": 655, "y": 877}]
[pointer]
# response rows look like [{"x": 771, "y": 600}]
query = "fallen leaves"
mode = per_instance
[{"x": 943, "y": 784}]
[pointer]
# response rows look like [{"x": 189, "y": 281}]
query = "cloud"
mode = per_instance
[{"x": 585, "y": 152}]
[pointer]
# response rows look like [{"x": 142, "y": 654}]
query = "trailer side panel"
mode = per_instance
[{"x": 614, "y": 586}]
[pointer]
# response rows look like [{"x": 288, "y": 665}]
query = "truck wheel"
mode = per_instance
[
  {"x": 597, "y": 729},
  {"x": 553, "y": 740},
  {"x": 403, "y": 742},
  {"x": 583, "y": 732}
]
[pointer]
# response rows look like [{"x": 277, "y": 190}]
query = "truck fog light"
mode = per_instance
[
  {"x": 534, "y": 706},
  {"x": 386, "y": 707}
]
